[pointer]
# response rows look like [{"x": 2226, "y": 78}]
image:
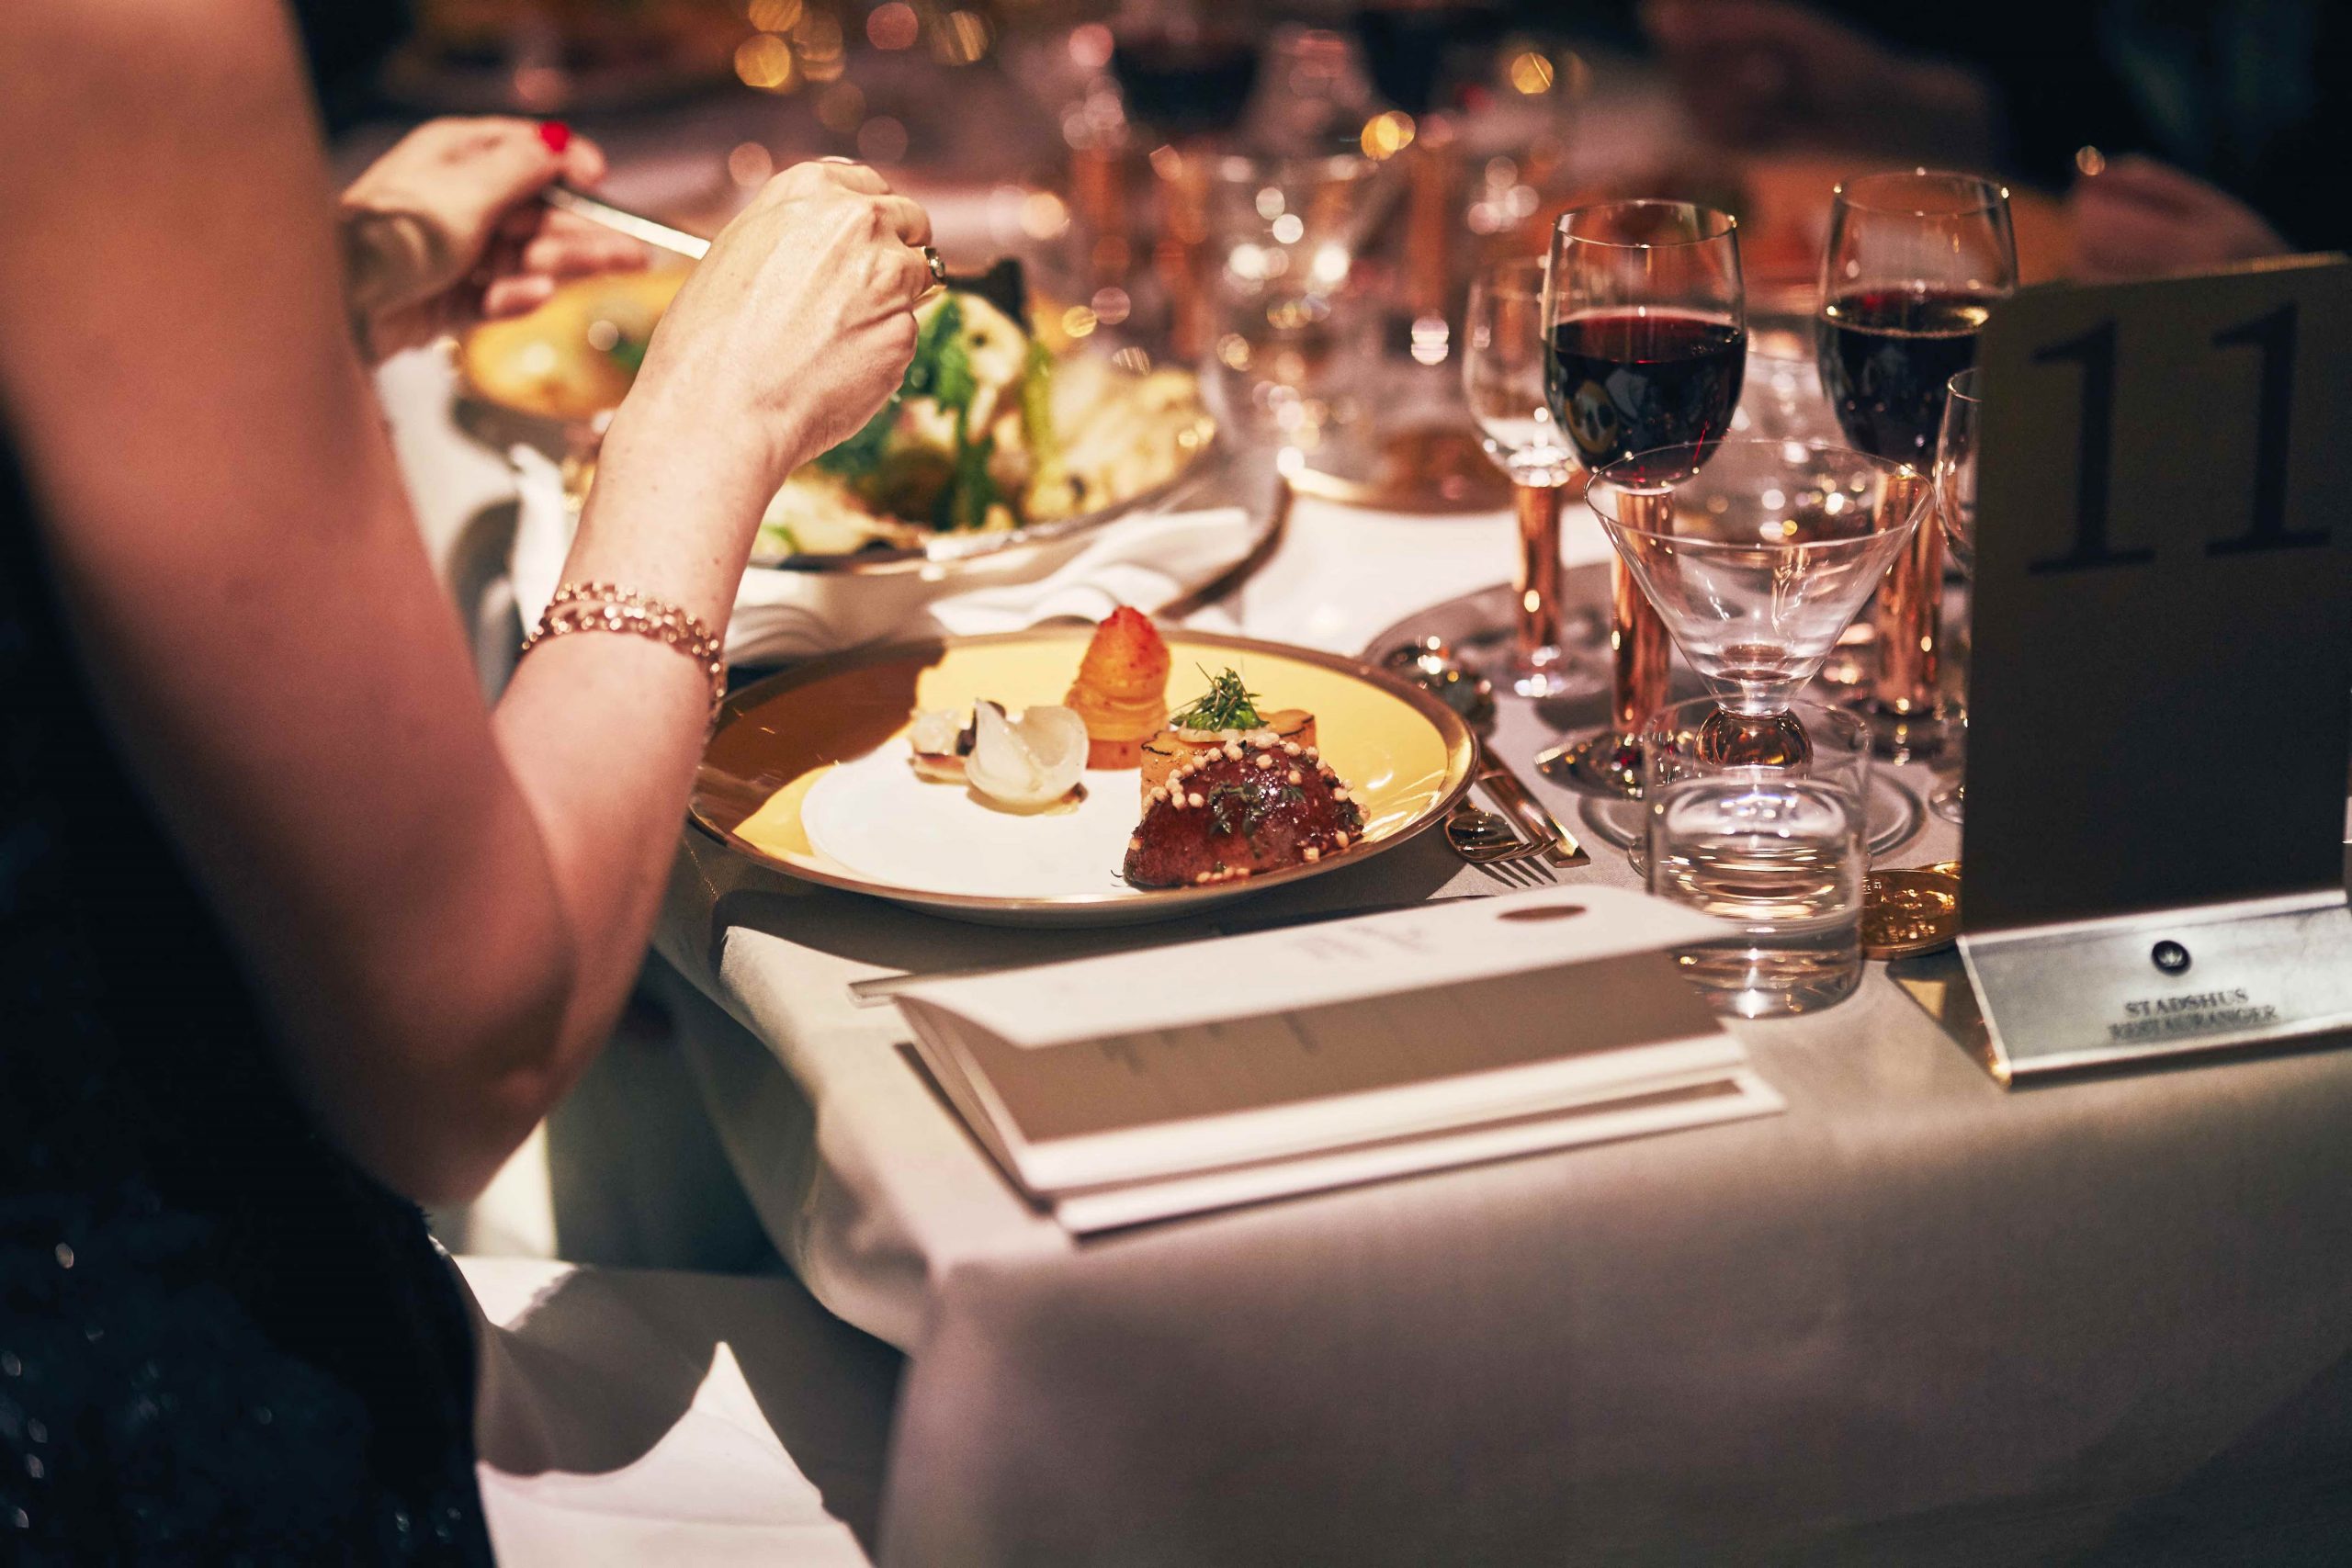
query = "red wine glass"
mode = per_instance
[
  {"x": 1646, "y": 338},
  {"x": 1916, "y": 262}
]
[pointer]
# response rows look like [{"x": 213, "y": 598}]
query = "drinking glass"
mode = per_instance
[
  {"x": 1503, "y": 379},
  {"x": 1646, "y": 341},
  {"x": 1780, "y": 399},
  {"x": 1778, "y": 856},
  {"x": 1915, "y": 261},
  {"x": 1186, "y": 67},
  {"x": 1955, "y": 485},
  {"x": 1755, "y": 562},
  {"x": 1282, "y": 238},
  {"x": 1839, "y": 752}
]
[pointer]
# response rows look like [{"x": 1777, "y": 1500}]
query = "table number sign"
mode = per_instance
[{"x": 2160, "y": 702}]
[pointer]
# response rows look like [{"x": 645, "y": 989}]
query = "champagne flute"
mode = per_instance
[
  {"x": 1503, "y": 370},
  {"x": 1647, "y": 335},
  {"x": 1916, "y": 262},
  {"x": 1955, "y": 483}
]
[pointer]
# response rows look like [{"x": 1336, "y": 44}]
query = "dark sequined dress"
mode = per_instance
[{"x": 220, "y": 1341}]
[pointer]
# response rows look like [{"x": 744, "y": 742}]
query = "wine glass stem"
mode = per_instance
[
  {"x": 1639, "y": 651},
  {"x": 1906, "y": 613},
  {"x": 1538, "y": 577}
]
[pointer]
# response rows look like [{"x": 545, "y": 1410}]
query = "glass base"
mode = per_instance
[
  {"x": 1747, "y": 978},
  {"x": 1603, "y": 764},
  {"x": 1949, "y": 800},
  {"x": 1917, "y": 736}
]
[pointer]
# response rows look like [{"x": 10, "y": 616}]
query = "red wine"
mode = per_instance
[
  {"x": 1626, "y": 381},
  {"x": 1886, "y": 355},
  {"x": 1187, "y": 82}
]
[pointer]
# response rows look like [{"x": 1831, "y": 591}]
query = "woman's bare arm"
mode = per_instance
[{"x": 444, "y": 909}]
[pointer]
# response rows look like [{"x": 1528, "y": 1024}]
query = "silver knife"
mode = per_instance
[
  {"x": 636, "y": 225},
  {"x": 1507, "y": 792}
]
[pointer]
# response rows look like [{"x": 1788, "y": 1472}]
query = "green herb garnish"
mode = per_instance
[
  {"x": 1227, "y": 704},
  {"x": 628, "y": 352},
  {"x": 942, "y": 370}
]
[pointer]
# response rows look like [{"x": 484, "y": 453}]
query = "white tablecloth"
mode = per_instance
[{"x": 1915, "y": 1319}]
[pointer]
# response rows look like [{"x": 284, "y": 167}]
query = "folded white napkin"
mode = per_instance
[{"x": 1146, "y": 561}]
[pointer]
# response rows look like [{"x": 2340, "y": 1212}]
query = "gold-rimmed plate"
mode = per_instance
[{"x": 809, "y": 772}]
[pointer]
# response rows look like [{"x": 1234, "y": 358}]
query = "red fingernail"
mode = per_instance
[{"x": 556, "y": 134}]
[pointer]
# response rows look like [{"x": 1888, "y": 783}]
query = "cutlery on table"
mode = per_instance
[
  {"x": 1495, "y": 846},
  {"x": 1506, "y": 790},
  {"x": 1430, "y": 665}
]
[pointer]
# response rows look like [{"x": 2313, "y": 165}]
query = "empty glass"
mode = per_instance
[
  {"x": 1502, "y": 376},
  {"x": 1779, "y": 857},
  {"x": 1756, "y": 562},
  {"x": 1839, "y": 750},
  {"x": 1955, "y": 488},
  {"x": 1781, "y": 399},
  {"x": 1283, "y": 236}
]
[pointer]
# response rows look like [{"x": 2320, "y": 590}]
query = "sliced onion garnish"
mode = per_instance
[{"x": 1032, "y": 760}]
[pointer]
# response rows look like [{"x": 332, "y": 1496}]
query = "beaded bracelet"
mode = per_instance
[{"x": 603, "y": 607}]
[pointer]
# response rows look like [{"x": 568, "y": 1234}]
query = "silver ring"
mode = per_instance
[{"x": 938, "y": 268}]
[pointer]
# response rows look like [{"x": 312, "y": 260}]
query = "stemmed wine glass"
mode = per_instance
[
  {"x": 1645, "y": 317},
  {"x": 1756, "y": 562},
  {"x": 1955, "y": 485},
  {"x": 1916, "y": 262},
  {"x": 1503, "y": 376}
]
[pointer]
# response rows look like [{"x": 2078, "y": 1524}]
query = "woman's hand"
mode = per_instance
[
  {"x": 793, "y": 330},
  {"x": 442, "y": 230}
]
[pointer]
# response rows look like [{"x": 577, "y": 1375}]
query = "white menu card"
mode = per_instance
[{"x": 1137, "y": 1087}]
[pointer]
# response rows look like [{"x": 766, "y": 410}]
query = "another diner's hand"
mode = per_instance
[
  {"x": 1764, "y": 71},
  {"x": 2138, "y": 217},
  {"x": 443, "y": 230},
  {"x": 793, "y": 330}
]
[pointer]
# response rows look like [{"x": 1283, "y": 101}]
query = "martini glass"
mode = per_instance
[{"x": 1756, "y": 561}]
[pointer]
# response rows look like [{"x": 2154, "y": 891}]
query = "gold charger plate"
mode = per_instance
[{"x": 1405, "y": 757}]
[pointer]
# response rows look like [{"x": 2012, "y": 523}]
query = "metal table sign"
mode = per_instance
[{"x": 2160, "y": 696}]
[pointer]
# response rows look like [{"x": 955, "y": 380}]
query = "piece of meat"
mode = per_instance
[
  {"x": 1171, "y": 748},
  {"x": 1239, "y": 811}
]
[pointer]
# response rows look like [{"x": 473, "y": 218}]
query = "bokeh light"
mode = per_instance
[
  {"x": 749, "y": 165},
  {"x": 1530, "y": 73},
  {"x": 1089, "y": 46},
  {"x": 841, "y": 107},
  {"x": 1386, "y": 135},
  {"x": 882, "y": 139},
  {"x": 893, "y": 25},
  {"x": 765, "y": 61},
  {"x": 775, "y": 15},
  {"x": 962, "y": 38}
]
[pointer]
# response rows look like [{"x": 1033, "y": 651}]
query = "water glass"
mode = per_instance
[
  {"x": 1289, "y": 327},
  {"x": 1837, "y": 748},
  {"x": 1778, "y": 858}
]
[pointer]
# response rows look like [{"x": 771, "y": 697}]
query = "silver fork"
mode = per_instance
[{"x": 1490, "y": 843}]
